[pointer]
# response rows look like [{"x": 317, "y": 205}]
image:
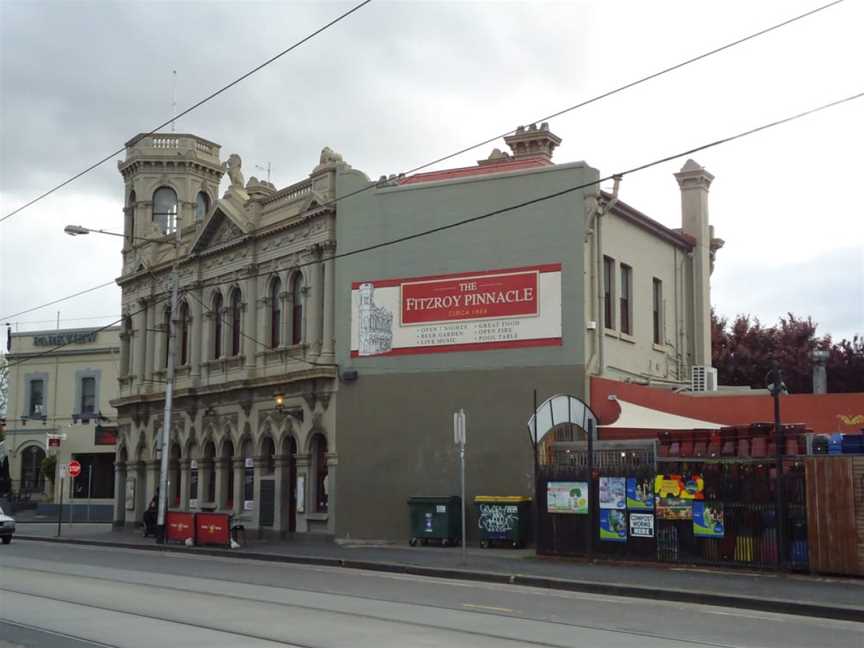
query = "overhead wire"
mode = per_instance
[
  {"x": 191, "y": 108},
  {"x": 558, "y": 113}
]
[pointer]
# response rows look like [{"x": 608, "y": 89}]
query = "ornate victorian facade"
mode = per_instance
[{"x": 253, "y": 428}]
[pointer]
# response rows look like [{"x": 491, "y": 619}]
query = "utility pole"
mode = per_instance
[
  {"x": 169, "y": 393},
  {"x": 779, "y": 448}
]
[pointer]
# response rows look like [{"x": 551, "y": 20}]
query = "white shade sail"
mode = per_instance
[{"x": 639, "y": 416}]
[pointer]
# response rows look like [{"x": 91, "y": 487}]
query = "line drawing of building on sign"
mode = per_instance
[{"x": 376, "y": 324}]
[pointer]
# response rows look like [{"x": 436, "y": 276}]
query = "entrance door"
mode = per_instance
[{"x": 267, "y": 503}]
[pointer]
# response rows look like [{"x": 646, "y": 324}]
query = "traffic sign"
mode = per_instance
[{"x": 74, "y": 468}]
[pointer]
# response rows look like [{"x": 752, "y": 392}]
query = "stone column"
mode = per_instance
[
  {"x": 282, "y": 488},
  {"x": 206, "y": 343},
  {"x": 196, "y": 330},
  {"x": 119, "y": 495},
  {"x": 316, "y": 307},
  {"x": 250, "y": 320},
  {"x": 185, "y": 478},
  {"x": 327, "y": 344},
  {"x": 225, "y": 317},
  {"x": 332, "y": 463},
  {"x": 239, "y": 467},
  {"x": 221, "y": 467},
  {"x": 256, "y": 511},
  {"x": 286, "y": 326},
  {"x": 125, "y": 341},
  {"x": 139, "y": 326},
  {"x": 151, "y": 359}
]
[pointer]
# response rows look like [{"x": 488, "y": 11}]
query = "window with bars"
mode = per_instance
[
  {"x": 217, "y": 326},
  {"x": 235, "y": 322},
  {"x": 275, "y": 312},
  {"x": 297, "y": 310},
  {"x": 657, "y": 305},
  {"x": 37, "y": 398}
]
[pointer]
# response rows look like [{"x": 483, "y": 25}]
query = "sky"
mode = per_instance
[{"x": 399, "y": 84}]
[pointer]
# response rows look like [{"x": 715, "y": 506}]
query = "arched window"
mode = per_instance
[
  {"x": 235, "y": 322},
  {"x": 166, "y": 325},
  {"x": 130, "y": 218},
  {"x": 217, "y": 326},
  {"x": 275, "y": 312},
  {"x": 322, "y": 490},
  {"x": 184, "y": 333},
  {"x": 297, "y": 309},
  {"x": 165, "y": 209},
  {"x": 202, "y": 206}
]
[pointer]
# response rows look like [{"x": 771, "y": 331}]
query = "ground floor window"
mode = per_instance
[
  {"x": 97, "y": 472},
  {"x": 32, "y": 480}
]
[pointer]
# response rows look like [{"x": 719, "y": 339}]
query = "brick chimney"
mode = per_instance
[
  {"x": 533, "y": 142},
  {"x": 694, "y": 182}
]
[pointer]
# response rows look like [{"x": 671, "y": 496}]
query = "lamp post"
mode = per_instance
[
  {"x": 777, "y": 387},
  {"x": 76, "y": 230}
]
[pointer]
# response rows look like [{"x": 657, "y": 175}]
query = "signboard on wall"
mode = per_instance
[
  {"x": 613, "y": 525},
  {"x": 490, "y": 309},
  {"x": 612, "y": 493},
  {"x": 642, "y": 525}
]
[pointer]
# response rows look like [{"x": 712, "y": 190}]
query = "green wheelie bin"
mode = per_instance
[
  {"x": 503, "y": 519},
  {"x": 436, "y": 518}
]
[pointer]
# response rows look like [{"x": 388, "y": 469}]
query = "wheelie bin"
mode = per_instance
[
  {"x": 436, "y": 518},
  {"x": 503, "y": 519}
]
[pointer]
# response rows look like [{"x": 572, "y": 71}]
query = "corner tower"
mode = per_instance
[{"x": 171, "y": 181}]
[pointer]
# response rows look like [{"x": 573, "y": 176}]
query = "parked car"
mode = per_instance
[{"x": 7, "y": 527}]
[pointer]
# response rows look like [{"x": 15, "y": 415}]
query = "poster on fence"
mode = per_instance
[
  {"x": 640, "y": 494},
  {"x": 708, "y": 519},
  {"x": 612, "y": 493},
  {"x": 641, "y": 525},
  {"x": 613, "y": 525},
  {"x": 567, "y": 497},
  {"x": 675, "y": 494}
]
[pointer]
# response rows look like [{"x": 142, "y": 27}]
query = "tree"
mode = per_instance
[
  {"x": 743, "y": 350},
  {"x": 4, "y": 385}
]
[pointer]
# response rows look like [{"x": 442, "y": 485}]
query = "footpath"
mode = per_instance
[{"x": 799, "y": 594}]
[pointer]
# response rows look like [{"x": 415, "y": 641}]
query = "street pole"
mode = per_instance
[
  {"x": 169, "y": 393},
  {"x": 89, "y": 490},
  {"x": 459, "y": 438},
  {"x": 779, "y": 448},
  {"x": 60, "y": 508}
]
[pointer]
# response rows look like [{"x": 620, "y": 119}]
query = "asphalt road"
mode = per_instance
[{"x": 65, "y": 596}]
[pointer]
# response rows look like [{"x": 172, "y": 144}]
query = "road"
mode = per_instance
[{"x": 66, "y": 596}]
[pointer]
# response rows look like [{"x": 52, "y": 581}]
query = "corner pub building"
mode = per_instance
[{"x": 369, "y": 355}]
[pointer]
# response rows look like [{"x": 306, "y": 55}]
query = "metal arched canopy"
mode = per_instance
[{"x": 558, "y": 409}]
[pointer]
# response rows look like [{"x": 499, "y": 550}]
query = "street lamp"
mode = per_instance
[
  {"x": 76, "y": 230},
  {"x": 776, "y": 387}
]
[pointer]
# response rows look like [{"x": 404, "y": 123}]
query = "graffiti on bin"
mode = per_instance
[{"x": 495, "y": 518}]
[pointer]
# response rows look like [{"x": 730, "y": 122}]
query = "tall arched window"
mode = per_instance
[
  {"x": 165, "y": 209},
  {"x": 217, "y": 326},
  {"x": 235, "y": 322},
  {"x": 275, "y": 312},
  {"x": 184, "y": 333},
  {"x": 166, "y": 325},
  {"x": 32, "y": 479},
  {"x": 297, "y": 309},
  {"x": 130, "y": 218},
  {"x": 202, "y": 206}
]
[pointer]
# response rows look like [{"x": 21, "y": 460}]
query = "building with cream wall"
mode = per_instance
[{"x": 63, "y": 391}]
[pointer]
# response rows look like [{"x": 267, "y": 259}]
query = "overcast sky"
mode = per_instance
[{"x": 401, "y": 83}]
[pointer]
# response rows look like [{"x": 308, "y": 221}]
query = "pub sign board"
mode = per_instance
[{"x": 472, "y": 311}]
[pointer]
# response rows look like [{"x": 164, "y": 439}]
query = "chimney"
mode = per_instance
[
  {"x": 820, "y": 371},
  {"x": 533, "y": 142},
  {"x": 694, "y": 182}
]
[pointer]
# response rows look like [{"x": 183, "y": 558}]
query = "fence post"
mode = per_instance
[{"x": 590, "y": 545}]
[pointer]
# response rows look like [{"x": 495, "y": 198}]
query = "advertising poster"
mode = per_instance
[
  {"x": 567, "y": 497},
  {"x": 640, "y": 494},
  {"x": 641, "y": 525},
  {"x": 472, "y": 311},
  {"x": 675, "y": 494},
  {"x": 708, "y": 519},
  {"x": 612, "y": 493},
  {"x": 613, "y": 525}
]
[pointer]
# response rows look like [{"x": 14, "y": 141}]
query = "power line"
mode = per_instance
[
  {"x": 526, "y": 203},
  {"x": 545, "y": 197},
  {"x": 57, "y": 301},
  {"x": 558, "y": 113},
  {"x": 193, "y": 107}
]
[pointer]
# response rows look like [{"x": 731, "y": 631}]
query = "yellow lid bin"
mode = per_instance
[{"x": 501, "y": 499}]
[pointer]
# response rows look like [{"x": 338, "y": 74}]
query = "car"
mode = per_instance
[{"x": 7, "y": 527}]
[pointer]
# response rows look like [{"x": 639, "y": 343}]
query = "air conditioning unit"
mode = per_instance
[{"x": 703, "y": 379}]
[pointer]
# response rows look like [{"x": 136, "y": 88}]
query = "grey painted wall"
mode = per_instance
[{"x": 394, "y": 422}]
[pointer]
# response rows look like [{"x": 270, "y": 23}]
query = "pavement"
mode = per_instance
[
  {"x": 797, "y": 594},
  {"x": 88, "y": 596}
]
